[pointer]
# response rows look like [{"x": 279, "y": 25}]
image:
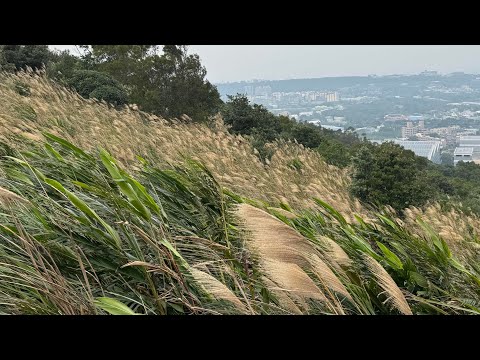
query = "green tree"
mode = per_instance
[
  {"x": 246, "y": 119},
  {"x": 335, "y": 152},
  {"x": 18, "y": 57},
  {"x": 182, "y": 87},
  {"x": 94, "y": 84},
  {"x": 170, "y": 84},
  {"x": 63, "y": 65},
  {"x": 387, "y": 174},
  {"x": 447, "y": 158},
  {"x": 308, "y": 135}
]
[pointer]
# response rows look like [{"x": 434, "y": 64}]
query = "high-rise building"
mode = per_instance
[
  {"x": 411, "y": 130},
  {"x": 332, "y": 97},
  {"x": 321, "y": 96},
  {"x": 408, "y": 131}
]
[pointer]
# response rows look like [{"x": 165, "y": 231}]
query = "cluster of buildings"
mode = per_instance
[
  {"x": 468, "y": 150},
  {"x": 413, "y": 130},
  {"x": 430, "y": 141},
  {"x": 448, "y": 135},
  {"x": 305, "y": 97},
  {"x": 264, "y": 94}
]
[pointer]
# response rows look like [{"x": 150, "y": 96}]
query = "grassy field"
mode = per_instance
[{"x": 122, "y": 212}]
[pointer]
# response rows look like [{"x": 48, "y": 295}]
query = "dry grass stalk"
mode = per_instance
[
  {"x": 385, "y": 281},
  {"x": 335, "y": 252},
  {"x": 8, "y": 197},
  {"x": 327, "y": 276},
  {"x": 284, "y": 253},
  {"x": 285, "y": 301},
  {"x": 217, "y": 289},
  {"x": 293, "y": 280}
]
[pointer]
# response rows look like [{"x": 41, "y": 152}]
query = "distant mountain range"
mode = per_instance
[{"x": 336, "y": 83}]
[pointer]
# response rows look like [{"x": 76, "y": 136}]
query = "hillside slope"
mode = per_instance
[
  {"x": 91, "y": 124},
  {"x": 89, "y": 230},
  {"x": 127, "y": 133}
]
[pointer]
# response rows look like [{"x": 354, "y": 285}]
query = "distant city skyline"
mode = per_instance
[{"x": 229, "y": 63}]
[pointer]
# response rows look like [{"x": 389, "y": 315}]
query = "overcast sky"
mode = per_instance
[{"x": 270, "y": 62}]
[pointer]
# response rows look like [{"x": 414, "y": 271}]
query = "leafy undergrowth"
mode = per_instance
[{"x": 82, "y": 234}]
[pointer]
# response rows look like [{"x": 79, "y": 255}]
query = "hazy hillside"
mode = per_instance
[
  {"x": 140, "y": 227},
  {"x": 336, "y": 83}
]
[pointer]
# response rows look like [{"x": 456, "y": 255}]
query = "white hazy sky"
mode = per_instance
[{"x": 270, "y": 62}]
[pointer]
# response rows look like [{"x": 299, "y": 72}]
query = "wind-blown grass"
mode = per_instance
[
  {"x": 81, "y": 235},
  {"x": 105, "y": 211}
]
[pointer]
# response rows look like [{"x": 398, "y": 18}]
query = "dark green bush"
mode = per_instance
[{"x": 94, "y": 84}]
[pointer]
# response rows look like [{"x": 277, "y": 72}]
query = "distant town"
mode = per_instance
[{"x": 436, "y": 116}]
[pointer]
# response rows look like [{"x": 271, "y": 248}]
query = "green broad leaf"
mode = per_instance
[
  {"x": 36, "y": 213},
  {"x": 457, "y": 265},
  {"x": 109, "y": 162},
  {"x": 285, "y": 206},
  {"x": 437, "y": 241},
  {"x": 360, "y": 221},
  {"x": 387, "y": 221},
  {"x": 362, "y": 245},
  {"x": 150, "y": 202},
  {"x": 67, "y": 145},
  {"x": 265, "y": 295},
  {"x": 62, "y": 249},
  {"x": 235, "y": 197},
  {"x": 113, "y": 307},
  {"x": 123, "y": 182},
  {"x": 79, "y": 204},
  {"x": 53, "y": 152},
  {"x": 83, "y": 207},
  {"x": 331, "y": 211},
  {"x": 82, "y": 218},
  {"x": 446, "y": 249},
  {"x": 177, "y": 307},
  {"x": 461, "y": 268},
  {"x": 19, "y": 161},
  {"x": 392, "y": 259},
  {"x": 142, "y": 160},
  {"x": 83, "y": 185},
  {"x": 173, "y": 250},
  {"x": 39, "y": 174},
  {"x": 18, "y": 175},
  {"x": 30, "y": 154},
  {"x": 25, "y": 164},
  {"x": 399, "y": 248},
  {"x": 418, "y": 279}
]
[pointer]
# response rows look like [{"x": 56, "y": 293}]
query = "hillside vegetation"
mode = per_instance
[{"x": 121, "y": 212}]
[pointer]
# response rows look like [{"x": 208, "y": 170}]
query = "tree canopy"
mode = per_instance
[
  {"x": 18, "y": 57},
  {"x": 171, "y": 84},
  {"x": 94, "y": 84},
  {"x": 387, "y": 174}
]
